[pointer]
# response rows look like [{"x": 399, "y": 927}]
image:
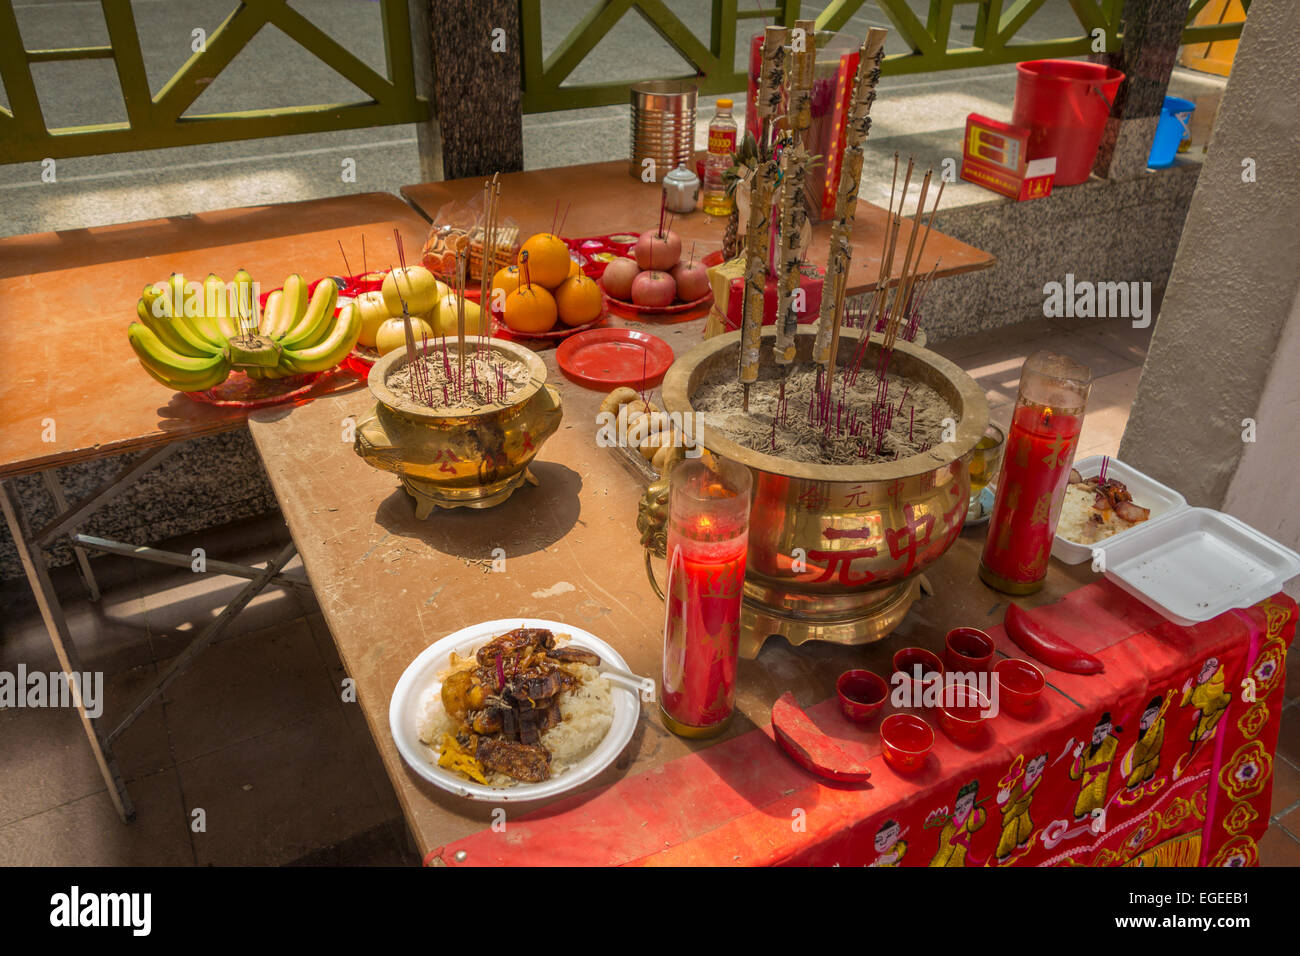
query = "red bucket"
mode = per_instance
[{"x": 1064, "y": 105}]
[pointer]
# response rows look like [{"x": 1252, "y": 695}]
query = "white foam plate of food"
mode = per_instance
[
  {"x": 1089, "y": 516},
  {"x": 1190, "y": 564},
  {"x": 531, "y": 717}
]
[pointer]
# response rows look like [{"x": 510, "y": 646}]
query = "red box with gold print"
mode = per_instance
[{"x": 993, "y": 156}]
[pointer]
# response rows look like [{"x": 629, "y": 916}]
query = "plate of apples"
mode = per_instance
[{"x": 654, "y": 279}]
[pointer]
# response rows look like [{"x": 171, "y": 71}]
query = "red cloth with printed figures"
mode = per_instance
[{"x": 1164, "y": 759}]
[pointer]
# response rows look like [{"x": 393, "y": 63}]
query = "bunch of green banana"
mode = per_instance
[
  {"x": 307, "y": 333},
  {"x": 192, "y": 346}
]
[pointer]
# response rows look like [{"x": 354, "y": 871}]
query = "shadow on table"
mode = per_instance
[{"x": 533, "y": 519}]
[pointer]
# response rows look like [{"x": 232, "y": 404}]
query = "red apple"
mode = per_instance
[
  {"x": 658, "y": 250},
  {"x": 617, "y": 277},
  {"x": 692, "y": 280},
  {"x": 653, "y": 289}
]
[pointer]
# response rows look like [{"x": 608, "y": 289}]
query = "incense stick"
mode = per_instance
[
  {"x": 347, "y": 268},
  {"x": 462, "y": 268},
  {"x": 857, "y": 125}
]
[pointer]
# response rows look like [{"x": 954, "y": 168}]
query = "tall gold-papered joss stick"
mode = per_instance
[
  {"x": 761, "y": 187},
  {"x": 771, "y": 76},
  {"x": 757, "y": 247},
  {"x": 846, "y": 197},
  {"x": 802, "y": 68},
  {"x": 794, "y": 214},
  {"x": 794, "y": 170}
]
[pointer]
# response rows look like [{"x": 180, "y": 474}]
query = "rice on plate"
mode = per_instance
[{"x": 586, "y": 713}]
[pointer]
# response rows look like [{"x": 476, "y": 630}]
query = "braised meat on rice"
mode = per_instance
[{"x": 507, "y": 698}]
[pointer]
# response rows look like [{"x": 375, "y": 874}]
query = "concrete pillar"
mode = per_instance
[
  {"x": 428, "y": 134},
  {"x": 1153, "y": 30},
  {"x": 476, "y": 62},
  {"x": 1226, "y": 342}
]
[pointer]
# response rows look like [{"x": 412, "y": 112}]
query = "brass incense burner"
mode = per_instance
[
  {"x": 836, "y": 551},
  {"x": 466, "y": 459}
]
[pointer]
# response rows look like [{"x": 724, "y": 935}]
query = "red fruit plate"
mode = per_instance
[
  {"x": 606, "y": 359},
  {"x": 558, "y": 334},
  {"x": 680, "y": 310},
  {"x": 240, "y": 391},
  {"x": 809, "y": 747},
  {"x": 360, "y": 361}
]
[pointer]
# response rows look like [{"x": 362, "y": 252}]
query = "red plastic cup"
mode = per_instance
[
  {"x": 961, "y": 713},
  {"x": 906, "y": 741},
  {"x": 1020, "y": 684},
  {"x": 862, "y": 694},
  {"x": 968, "y": 649},
  {"x": 907, "y": 660}
]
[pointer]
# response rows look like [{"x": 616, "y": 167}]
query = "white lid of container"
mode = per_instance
[{"x": 1196, "y": 563}]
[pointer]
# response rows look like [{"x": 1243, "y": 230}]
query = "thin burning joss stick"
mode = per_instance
[{"x": 347, "y": 269}]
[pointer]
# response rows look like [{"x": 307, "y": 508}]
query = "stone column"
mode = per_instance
[
  {"x": 476, "y": 62},
  {"x": 1219, "y": 392},
  {"x": 427, "y": 134},
  {"x": 1152, "y": 32}
]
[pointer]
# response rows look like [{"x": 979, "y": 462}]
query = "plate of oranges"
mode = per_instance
[{"x": 545, "y": 294}]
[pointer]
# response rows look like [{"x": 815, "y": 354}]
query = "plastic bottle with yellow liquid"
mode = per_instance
[{"x": 722, "y": 147}]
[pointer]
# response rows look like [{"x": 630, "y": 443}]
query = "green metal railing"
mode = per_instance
[
  {"x": 996, "y": 25},
  {"x": 160, "y": 120}
]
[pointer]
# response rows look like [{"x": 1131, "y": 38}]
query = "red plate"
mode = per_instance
[
  {"x": 678, "y": 310},
  {"x": 240, "y": 391},
  {"x": 606, "y": 359},
  {"x": 560, "y": 333}
]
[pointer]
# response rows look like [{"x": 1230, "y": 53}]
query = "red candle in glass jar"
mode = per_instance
[
  {"x": 708, "y": 536},
  {"x": 1036, "y": 465}
]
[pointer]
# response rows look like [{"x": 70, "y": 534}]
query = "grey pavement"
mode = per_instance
[{"x": 920, "y": 113}]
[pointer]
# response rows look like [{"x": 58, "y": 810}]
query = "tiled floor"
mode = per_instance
[{"x": 256, "y": 734}]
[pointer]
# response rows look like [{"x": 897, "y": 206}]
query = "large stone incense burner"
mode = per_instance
[
  {"x": 836, "y": 551},
  {"x": 463, "y": 460}
]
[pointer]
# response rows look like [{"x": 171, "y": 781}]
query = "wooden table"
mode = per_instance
[
  {"x": 73, "y": 390},
  {"x": 390, "y": 585},
  {"x": 67, "y": 297},
  {"x": 602, "y": 198}
]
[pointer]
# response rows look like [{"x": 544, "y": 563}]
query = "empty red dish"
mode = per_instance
[
  {"x": 1020, "y": 684},
  {"x": 962, "y": 712},
  {"x": 968, "y": 649},
  {"x": 862, "y": 694},
  {"x": 605, "y": 359},
  {"x": 906, "y": 741}
]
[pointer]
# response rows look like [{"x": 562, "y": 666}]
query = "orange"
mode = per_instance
[
  {"x": 574, "y": 269},
  {"x": 504, "y": 282},
  {"x": 579, "y": 300},
  {"x": 548, "y": 259},
  {"x": 530, "y": 309}
]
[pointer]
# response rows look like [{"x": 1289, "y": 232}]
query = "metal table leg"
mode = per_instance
[
  {"x": 30, "y": 546},
  {"x": 83, "y": 561},
  {"x": 56, "y": 624},
  {"x": 209, "y": 635}
]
